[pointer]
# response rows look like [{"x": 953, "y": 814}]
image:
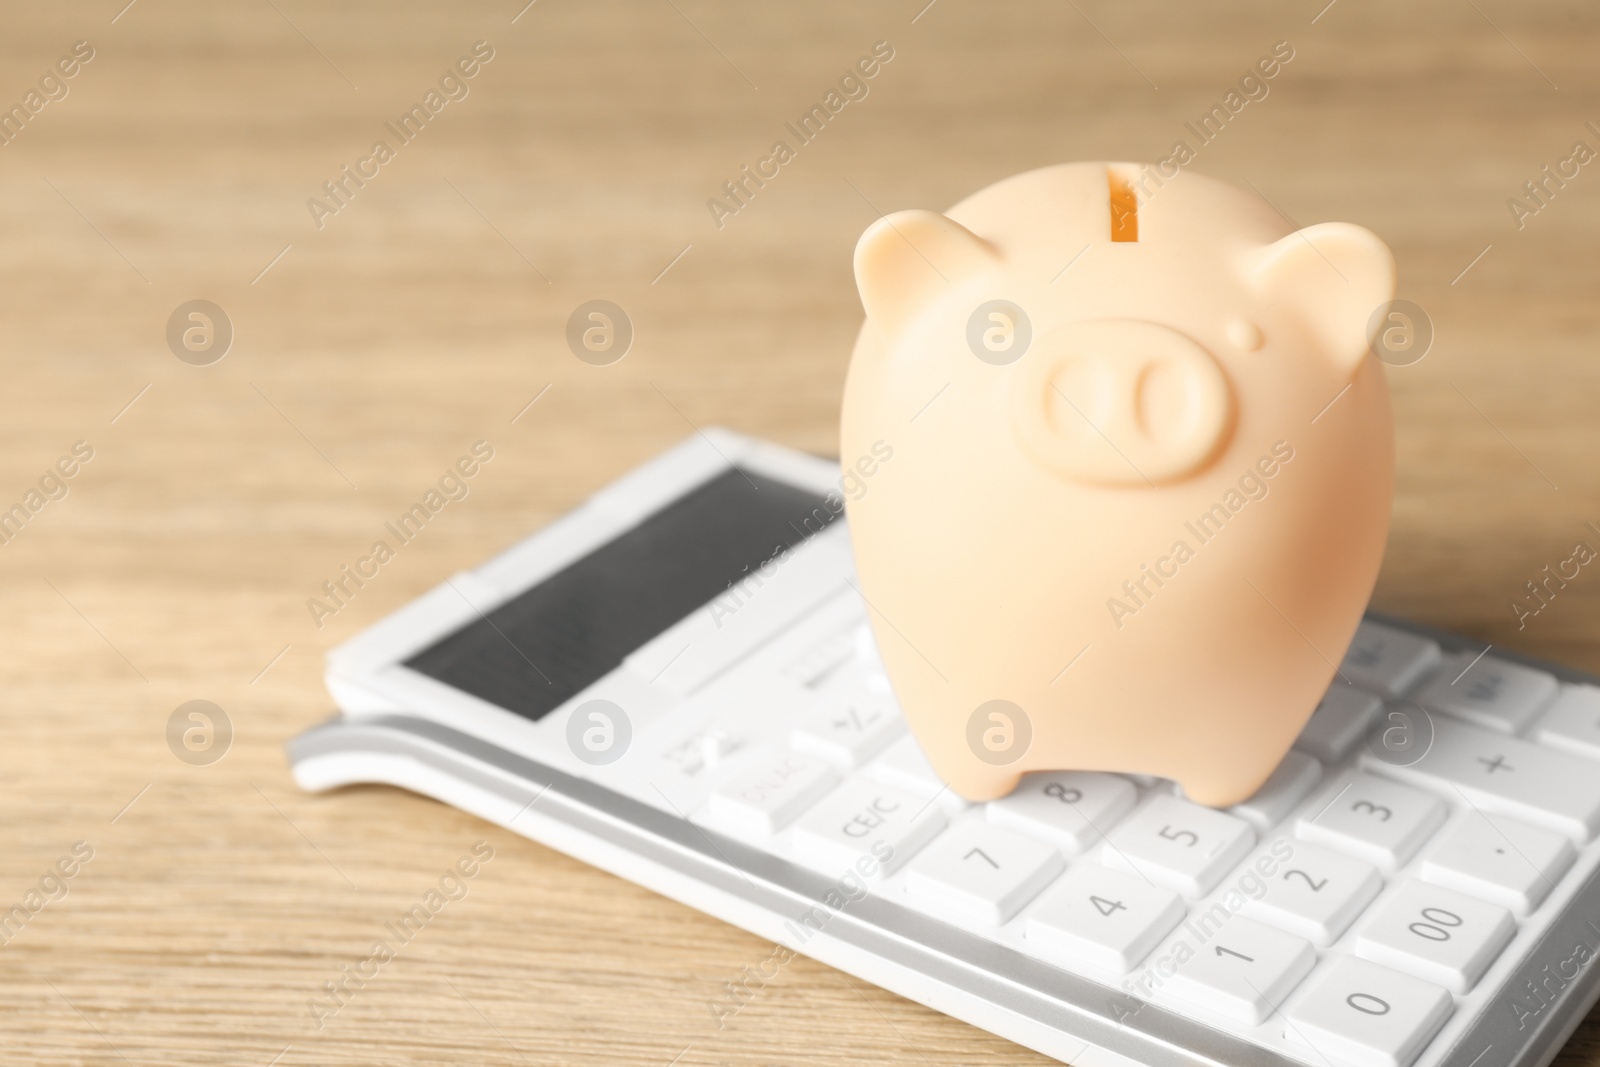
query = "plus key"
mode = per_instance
[{"x": 1505, "y": 776}]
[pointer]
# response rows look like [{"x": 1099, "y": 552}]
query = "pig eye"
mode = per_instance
[{"x": 1246, "y": 336}]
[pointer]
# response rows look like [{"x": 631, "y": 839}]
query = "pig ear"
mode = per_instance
[
  {"x": 1335, "y": 275},
  {"x": 905, "y": 258}
]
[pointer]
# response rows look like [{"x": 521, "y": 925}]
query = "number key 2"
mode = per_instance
[{"x": 1316, "y": 893}]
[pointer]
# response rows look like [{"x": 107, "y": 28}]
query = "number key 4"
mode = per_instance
[{"x": 1101, "y": 920}]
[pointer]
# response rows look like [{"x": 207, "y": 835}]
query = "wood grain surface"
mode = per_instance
[{"x": 430, "y": 309}]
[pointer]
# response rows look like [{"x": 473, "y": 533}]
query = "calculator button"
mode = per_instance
[
  {"x": 1338, "y": 724},
  {"x": 1379, "y": 821},
  {"x": 1102, "y": 919},
  {"x": 865, "y": 644},
  {"x": 1243, "y": 972},
  {"x": 849, "y": 730},
  {"x": 1179, "y": 844},
  {"x": 986, "y": 873},
  {"x": 864, "y": 822},
  {"x": 1073, "y": 809},
  {"x": 1278, "y": 795},
  {"x": 766, "y": 797},
  {"x": 904, "y": 766},
  {"x": 1436, "y": 934},
  {"x": 1365, "y": 1015},
  {"x": 1488, "y": 691},
  {"x": 1494, "y": 858},
  {"x": 673, "y": 771},
  {"x": 1573, "y": 721},
  {"x": 1505, "y": 776},
  {"x": 823, "y": 656},
  {"x": 1316, "y": 893},
  {"x": 1386, "y": 660}
]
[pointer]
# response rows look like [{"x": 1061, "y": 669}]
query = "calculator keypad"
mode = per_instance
[{"x": 1339, "y": 912}]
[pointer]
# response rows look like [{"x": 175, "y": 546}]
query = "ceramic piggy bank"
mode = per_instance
[{"x": 1141, "y": 474}]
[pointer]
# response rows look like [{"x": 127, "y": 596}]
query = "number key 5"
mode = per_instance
[{"x": 1180, "y": 845}]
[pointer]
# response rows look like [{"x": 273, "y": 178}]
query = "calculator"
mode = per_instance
[{"x": 677, "y": 683}]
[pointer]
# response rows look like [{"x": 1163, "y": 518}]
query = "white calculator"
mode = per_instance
[{"x": 676, "y": 683}]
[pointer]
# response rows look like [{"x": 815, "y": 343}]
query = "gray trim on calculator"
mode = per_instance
[{"x": 1011, "y": 980}]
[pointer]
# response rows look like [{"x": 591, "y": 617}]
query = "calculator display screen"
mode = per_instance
[{"x": 532, "y": 653}]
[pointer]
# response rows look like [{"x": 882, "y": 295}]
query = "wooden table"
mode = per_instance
[{"x": 429, "y": 311}]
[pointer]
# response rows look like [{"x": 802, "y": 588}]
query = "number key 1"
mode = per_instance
[{"x": 1243, "y": 972}]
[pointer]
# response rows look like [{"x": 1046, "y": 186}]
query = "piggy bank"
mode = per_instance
[{"x": 1142, "y": 462}]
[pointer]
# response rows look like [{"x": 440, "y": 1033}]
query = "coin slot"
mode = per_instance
[{"x": 1124, "y": 208}]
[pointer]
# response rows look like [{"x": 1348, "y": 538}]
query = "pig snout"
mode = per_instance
[{"x": 1119, "y": 402}]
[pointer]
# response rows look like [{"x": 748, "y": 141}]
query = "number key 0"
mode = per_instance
[{"x": 1359, "y": 1013}]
